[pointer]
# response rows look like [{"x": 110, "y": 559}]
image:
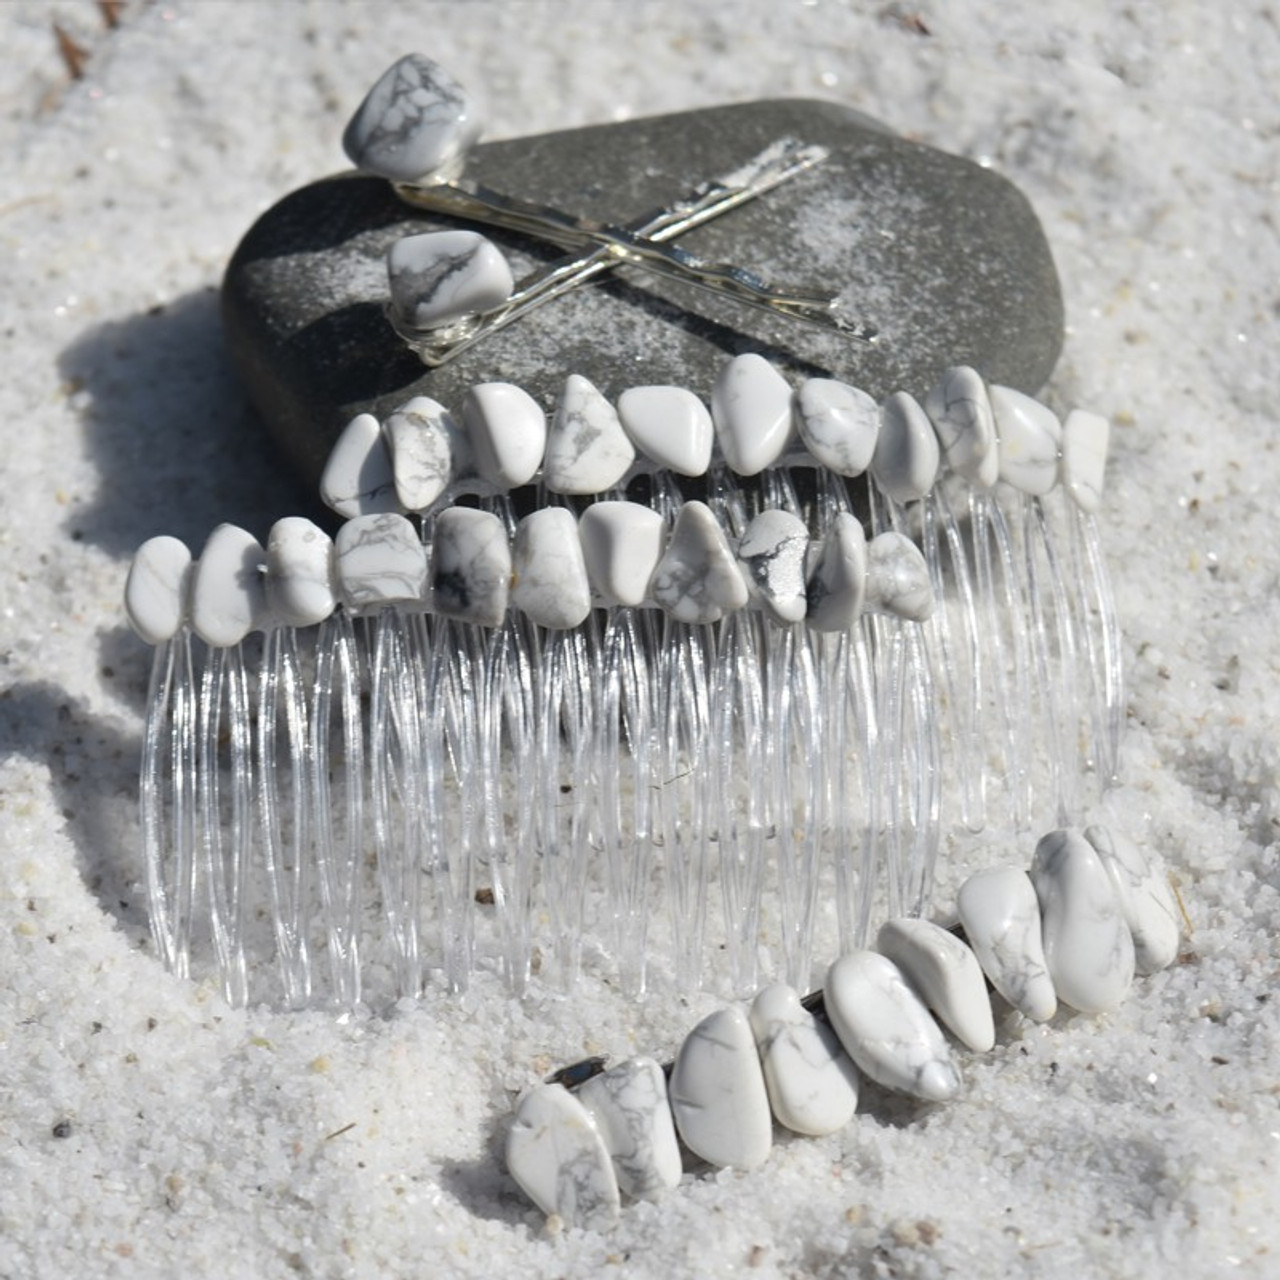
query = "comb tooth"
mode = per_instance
[
  {"x": 224, "y": 865},
  {"x": 625, "y": 752},
  {"x": 338, "y": 822},
  {"x": 288, "y": 813},
  {"x": 168, "y": 809}
]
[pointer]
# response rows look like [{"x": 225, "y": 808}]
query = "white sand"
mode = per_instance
[{"x": 206, "y": 1142}]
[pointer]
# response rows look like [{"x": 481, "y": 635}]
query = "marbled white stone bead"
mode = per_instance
[
  {"x": 414, "y": 121},
  {"x": 549, "y": 576},
  {"x": 440, "y": 277},
  {"x": 751, "y": 410},
  {"x": 718, "y": 1094},
  {"x": 556, "y": 1154},
  {"x": 1085, "y": 438},
  {"x": 670, "y": 426},
  {"x": 587, "y": 449},
  {"x": 629, "y": 1106},
  {"x": 811, "y": 1081},
  {"x": 1030, "y": 439},
  {"x": 960, "y": 411},
  {"x": 697, "y": 579},
  {"x": 359, "y": 476},
  {"x": 380, "y": 560},
  {"x": 155, "y": 593},
  {"x": 886, "y": 1030},
  {"x": 1146, "y": 900},
  {"x": 1001, "y": 917},
  {"x": 907, "y": 456},
  {"x": 622, "y": 543},
  {"x": 470, "y": 566},
  {"x": 897, "y": 578},
  {"x": 507, "y": 431},
  {"x": 945, "y": 974},
  {"x": 772, "y": 555},
  {"x": 428, "y": 452},
  {"x": 838, "y": 424},
  {"x": 837, "y": 581},
  {"x": 301, "y": 585},
  {"x": 228, "y": 596},
  {"x": 1087, "y": 944}
]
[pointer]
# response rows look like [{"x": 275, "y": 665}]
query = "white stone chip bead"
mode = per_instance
[
  {"x": 1085, "y": 439},
  {"x": 155, "y": 592},
  {"x": 428, "y": 452},
  {"x": 508, "y": 433},
  {"x": 587, "y": 449},
  {"x": 1001, "y": 918},
  {"x": 670, "y": 426},
  {"x": 718, "y": 1095},
  {"x": 1030, "y": 440},
  {"x": 549, "y": 576},
  {"x": 228, "y": 596},
  {"x": 945, "y": 974},
  {"x": 838, "y": 424},
  {"x": 1087, "y": 944},
  {"x": 886, "y": 1030},
  {"x": 897, "y": 578},
  {"x": 359, "y": 478},
  {"x": 301, "y": 586},
  {"x": 416, "y": 119},
  {"x": 1146, "y": 899},
  {"x": 698, "y": 579},
  {"x": 470, "y": 566},
  {"x": 906, "y": 459},
  {"x": 811, "y": 1081},
  {"x": 960, "y": 411},
  {"x": 751, "y": 410},
  {"x": 558, "y": 1157},
  {"x": 380, "y": 560},
  {"x": 772, "y": 555},
  {"x": 622, "y": 543},
  {"x": 837, "y": 580},
  {"x": 440, "y": 277},
  {"x": 629, "y": 1106}
]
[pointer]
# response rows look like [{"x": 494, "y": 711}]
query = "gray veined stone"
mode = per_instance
[{"x": 304, "y": 296}]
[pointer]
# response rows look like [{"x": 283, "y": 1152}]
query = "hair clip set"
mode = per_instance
[{"x": 653, "y": 675}]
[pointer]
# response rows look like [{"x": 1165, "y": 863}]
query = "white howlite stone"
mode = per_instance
[
  {"x": 228, "y": 596},
  {"x": 440, "y": 277},
  {"x": 670, "y": 426},
  {"x": 811, "y": 1081},
  {"x": 906, "y": 459},
  {"x": 622, "y": 543},
  {"x": 837, "y": 581},
  {"x": 155, "y": 592},
  {"x": 380, "y": 560},
  {"x": 1146, "y": 899},
  {"x": 416, "y": 120},
  {"x": 960, "y": 411},
  {"x": 718, "y": 1095},
  {"x": 470, "y": 566},
  {"x": 629, "y": 1106},
  {"x": 1001, "y": 918},
  {"x": 751, "y": 410},
  {"x": 359, "y": 478},
  {"x": 1087, "y": 944},
  {"x": 428, "y": 452},
  {"x": 587, "y": 449},
  {"x": 897, "y": 578},
  {"x": 945, "y": 974},
  {"x": 508, "y": 433},
  {"x": 838, "y": 423},
  {"x": 549, "y": 575},
  {"x": 772, "y": 555},
  {"x": 558, "y": 1157},
  {"x": 1085, "y": 440},
  {"x": 698, "y": 579},
  {"x": 886, "y": 1030},
  {"x": 1030, "y": 440},
  {"x": 301, "y": 587}
]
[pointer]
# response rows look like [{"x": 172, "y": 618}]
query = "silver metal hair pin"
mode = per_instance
[{"x": 440, "y": 288}]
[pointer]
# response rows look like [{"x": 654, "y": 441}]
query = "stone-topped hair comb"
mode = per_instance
[{"x": 661, "y": 635}]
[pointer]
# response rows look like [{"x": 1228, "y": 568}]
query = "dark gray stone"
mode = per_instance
[{"x": 946, "y": 258}]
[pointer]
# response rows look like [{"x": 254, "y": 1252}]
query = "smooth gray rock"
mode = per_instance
[{"x": 946, "y": 258}]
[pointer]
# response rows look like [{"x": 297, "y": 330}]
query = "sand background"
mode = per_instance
[{"x": 198, "y": 1138}]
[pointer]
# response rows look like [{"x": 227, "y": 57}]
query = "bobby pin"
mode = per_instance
[{"x": 450, "y": 289}]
